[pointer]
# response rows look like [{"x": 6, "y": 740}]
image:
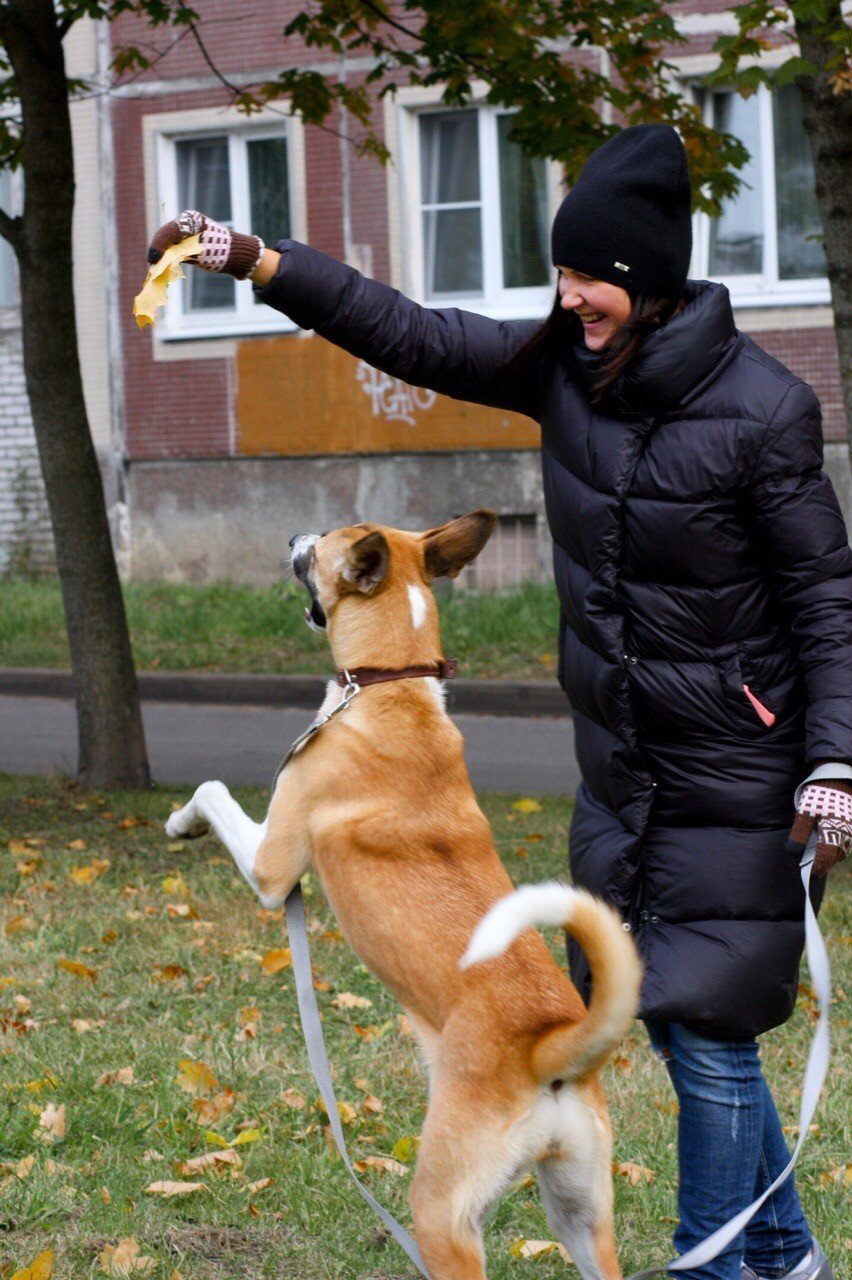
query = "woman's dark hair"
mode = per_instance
[{"x": 563, "y": 327}]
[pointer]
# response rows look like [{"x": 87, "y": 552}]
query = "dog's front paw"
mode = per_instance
[{"x": 186, "y": 824}]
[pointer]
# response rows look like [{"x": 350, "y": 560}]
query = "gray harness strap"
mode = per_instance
[{"x": 710, "y": 1248}]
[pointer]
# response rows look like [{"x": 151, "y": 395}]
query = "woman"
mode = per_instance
[{"x": 705, "y": 583}]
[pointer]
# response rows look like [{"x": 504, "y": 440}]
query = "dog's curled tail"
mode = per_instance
[{"x": 570, "y": 1050}]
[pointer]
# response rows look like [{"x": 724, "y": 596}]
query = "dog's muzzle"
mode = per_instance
[{"x": 302, "y": 559}]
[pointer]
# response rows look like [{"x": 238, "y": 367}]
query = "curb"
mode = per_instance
[{"x": 473, "y": 697}]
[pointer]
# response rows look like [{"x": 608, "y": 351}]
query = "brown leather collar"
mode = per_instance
[{"x": 443, "y": 670}]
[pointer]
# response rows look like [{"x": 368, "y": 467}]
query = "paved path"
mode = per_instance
[{"x": 243, "y": 745}]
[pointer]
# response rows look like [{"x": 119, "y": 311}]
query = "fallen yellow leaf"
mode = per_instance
[
  {"x": 526, "y": 805},
  {"x": 260, "y": 1185},
  {"x": 90, "y": 873},
  {"x": 82, "y": 1025},
  {"x": 152, "y": 295},
  {"x": 294, "y": 1100},
  {"x": 406, "y": 1148},
  {"x": 248, "y": 1135},
  {"x": 210, "y": 1160},
  {"x": 211, "y": 1110},
  {"x": 275, "y": 961},
  {"x": 24, "y": 1167},
  {"x": 41, "y": 1269},
  {"x": 538, "y": 1249},
  {"x": 78, "y": 845},
  {"x": 634, "y": 1173},
  {"x": 372, "y": 1105},
  {"x": 195, "y": 1077},
  {"x": 78, "y": 970},
  {"x": 383, "y": 1164}
]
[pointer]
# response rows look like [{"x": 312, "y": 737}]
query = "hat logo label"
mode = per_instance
[{"x": 622, "y": 266}]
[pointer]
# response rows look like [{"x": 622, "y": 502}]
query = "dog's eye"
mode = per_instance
[{"x": 324, "y": 534}]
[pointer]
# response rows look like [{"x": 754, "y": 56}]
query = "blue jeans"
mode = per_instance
[{"x": 730, "y": 1148}]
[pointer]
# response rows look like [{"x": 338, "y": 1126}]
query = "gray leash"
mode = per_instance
[{"x": 815, "y": 1072}]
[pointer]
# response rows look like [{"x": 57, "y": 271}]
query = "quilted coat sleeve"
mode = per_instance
[
  {"x": 457, "y": 353},
  {"x": 799, "y": 522}
]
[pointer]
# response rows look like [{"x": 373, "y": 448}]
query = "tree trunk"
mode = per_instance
[
  {"x": 109, "y": 721},
  {"x": 828, "y": 121}
]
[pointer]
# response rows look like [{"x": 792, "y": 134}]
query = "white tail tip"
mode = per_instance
[{"x": 534, "y": 904}]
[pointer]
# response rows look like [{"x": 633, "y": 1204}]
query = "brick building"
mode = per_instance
[{"x": 231, "y": 429}]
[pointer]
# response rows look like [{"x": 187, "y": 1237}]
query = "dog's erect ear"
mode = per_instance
[
  {"x": 367, "y": 562},
  {"x": 448, "y": 549}
]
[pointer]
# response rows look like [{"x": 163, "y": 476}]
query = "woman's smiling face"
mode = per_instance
[{"x": 602, "y": 308}]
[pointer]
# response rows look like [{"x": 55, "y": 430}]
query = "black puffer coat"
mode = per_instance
[{"x": 698, "y": 549}]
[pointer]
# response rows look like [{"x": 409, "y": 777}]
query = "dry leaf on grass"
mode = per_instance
[
  {"x": 24, "y": 1167},
  {"x": 634, "y": 1173},
  {"x": 82, "y": 1025},
  {"x": 260, "y": 1185},
  {"x": 406, "y": 1149},
  {"x": 169, "y": 1189},
  {"x": 51, "y": 1124},
  {"x": 274, "y": 961},
  {"x": 41, "y": 1269},
  {"x": 527, "y": 805},
  {"x": 123, "y": 1075},
  {"x": 78, "y": 970},
  {"x": 77, "y": 845},
  {"x": 181, "y": 911},
  {"x": 294, "y": 1100},
  {"x": 124, "y": 1258},
  {"x": 372, "y": 1105},
  {"x": 195, "y": 1077},
  {"x": 19, "y": 924},
  {"x": 211, "y": 1110},
  {"x": 383, "y": 1164},
  {"x": 210, "y": 1160},
  {"x": 346, "y": 1000},
  {"x": 90, "y": 873},
  {"x": 842, "y": 1175},
  {"x": 538, "y": 1249},
  {"x": 248, "y": 1135},
  {"x": 168, "y": 973},
  {"x": 152, "y": 295}
]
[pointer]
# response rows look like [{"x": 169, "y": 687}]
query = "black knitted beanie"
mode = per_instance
[{"x": 627, "y": 219}]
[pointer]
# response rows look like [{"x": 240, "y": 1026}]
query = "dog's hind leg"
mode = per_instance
[
  {"x": 466, "y": 1161},
  {"x": 214, "y": 806},
  {"x": 577, "y": 1195}
]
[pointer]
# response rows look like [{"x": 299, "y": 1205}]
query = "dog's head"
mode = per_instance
[{"x": 365, "y": 562}]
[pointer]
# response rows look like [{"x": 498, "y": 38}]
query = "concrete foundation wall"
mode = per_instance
[{"x": 232, "y": 518}]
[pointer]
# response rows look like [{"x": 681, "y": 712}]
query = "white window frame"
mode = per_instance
[
  {"x": 762, "y": 289},
  {"x": 402, "y": 128},
  {"x": 162, "y": 133}
]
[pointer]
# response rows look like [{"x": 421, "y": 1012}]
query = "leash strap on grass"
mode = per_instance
[
  {"x": 312, "y": 1030},
  {"x": 815, "y": 1074}
]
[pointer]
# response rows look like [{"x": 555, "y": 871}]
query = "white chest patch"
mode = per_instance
[{"x": 418, "y": 605}]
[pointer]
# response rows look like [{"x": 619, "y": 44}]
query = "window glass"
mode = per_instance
[
  {"x": 800, "y": 251},
  {"x": 450, "y": 195},
  {"x": 8, "y": 267},
  {"x": 269, "y": 189},
  {"x": 523, "y": 213},
  {"x": 736, "y": 237},
  {"x": 204, "y": 182}
]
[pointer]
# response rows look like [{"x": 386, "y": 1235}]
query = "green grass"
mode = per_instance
[
  {"x": 238, "y": 628},
  {"x": 310, "y": 1222}
]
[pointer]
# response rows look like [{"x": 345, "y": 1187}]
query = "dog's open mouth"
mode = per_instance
[{"x": 315, "y": 615}]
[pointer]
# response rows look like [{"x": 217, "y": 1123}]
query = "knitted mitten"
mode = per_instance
[
  {"x": 221, "y": 248},
  {"x": 826, "y": 805}
]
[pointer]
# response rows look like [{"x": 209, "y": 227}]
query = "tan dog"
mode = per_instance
[{"x": 380, "y": 806}]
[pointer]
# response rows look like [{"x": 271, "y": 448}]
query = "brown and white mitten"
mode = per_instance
[
  {"x": 222, "y": 249},
  {"x": 826, "y": 805}
]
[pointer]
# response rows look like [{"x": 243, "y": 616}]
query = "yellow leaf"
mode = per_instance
[
  {"x": 168, "y": 973},
  {"x": 78, "y": 845},
  {"x": 175, "y": 883},
  {"x": 51, "y": 1123},
  {"x": 275, "y": 961},
  {"x": 105, "y": 1195},
  {"x": 346, "y": 1112},
  {"x": 124, "y": 1075},
  {"x": 24, "y": 1167},
  {"x": 842, "y": 1174},
  {"x": 537, "y": 1249},
  {"x": 124, "y": 1258},
  {"x": 169, "y": 1189},
  {"x": 634, "y": 1173},
  {"x": 195, "y": 1077},
  {"x": 41, "y": 1269},
  {"x": 82, "y": 1025},
  {"x": 346, "y": 1000},
  {"x": 526, "y": 805},
  {"x": 181, "y": 911},
  {"x": 19, "y": 924},
  {"x": 176, "y": 846},
  {"x": 247, "y": 1135},
  {"x": 215, "y": 1139},
  {"x": 372, "y": 1105},
  {"x": 152, "y": 296},
  {"x": 78, "y": 970},
  {"x": 90, "y": 873},
  {"x": 406, "y": 1149}
]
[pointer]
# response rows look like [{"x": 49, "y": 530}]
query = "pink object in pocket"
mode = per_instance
[{"x": 767, "y": 716}]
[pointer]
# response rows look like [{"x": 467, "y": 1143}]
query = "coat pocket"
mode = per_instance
[{"x": 761, "y": 692}]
